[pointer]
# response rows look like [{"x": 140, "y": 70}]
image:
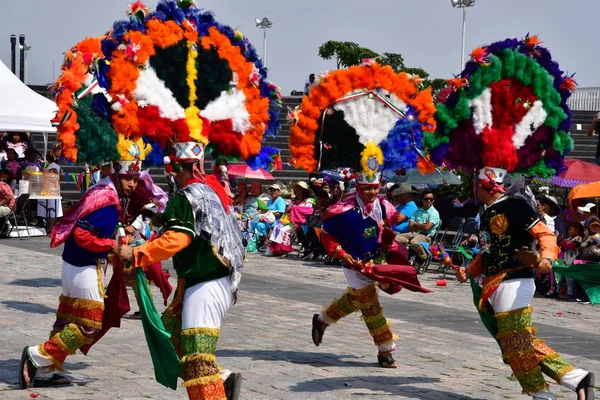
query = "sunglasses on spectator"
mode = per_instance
[{"x": 427, "y": 198}]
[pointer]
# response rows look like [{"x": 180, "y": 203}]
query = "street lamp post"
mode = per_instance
[
  {"x": 463, "y": 4},
  {"x": 264, "y": 24}
]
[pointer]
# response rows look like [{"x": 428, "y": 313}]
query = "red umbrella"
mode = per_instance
[
  {"x": 244, "y": 171},
  {"x": 578, "y": 170}
]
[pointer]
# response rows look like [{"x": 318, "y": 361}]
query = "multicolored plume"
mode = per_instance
[
  {"x": 367, "y": 117},
  {"x": 158, "y": 77},
  {"x": 508, "y": 109}
]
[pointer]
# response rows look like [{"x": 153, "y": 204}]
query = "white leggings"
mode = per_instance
[
  {"x": 513, "y": 294},
  {"x": 205, "y": 304}
]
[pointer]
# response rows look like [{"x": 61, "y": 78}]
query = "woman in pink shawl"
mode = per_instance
[{"x": 301, "y": 206}]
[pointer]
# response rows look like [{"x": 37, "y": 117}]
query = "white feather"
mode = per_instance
[
  {"x": 534, "y": 118},
  {"x": 371, "y": 118},
  {"x": 229, "y": 106},
  {"x": 151, "y": 89},
  {"x": 482, "y": 111}
]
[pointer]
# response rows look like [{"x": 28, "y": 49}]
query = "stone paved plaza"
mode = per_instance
[{"x": 444, "y": 352}]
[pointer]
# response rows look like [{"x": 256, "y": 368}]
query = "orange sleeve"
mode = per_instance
[
  {"x": 547, "y": 246},
  {"x": 160, "y": 249},
  {"x": 475, "y": 268}
]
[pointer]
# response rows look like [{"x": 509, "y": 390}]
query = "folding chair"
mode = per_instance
[
  {"x": 17, "y": 215},
  {"x": 450, "y": 237},
  {"x": 429, "y": 258},
  {"x": 469, "y": 228},
  {"x": 453, "y": 233}
]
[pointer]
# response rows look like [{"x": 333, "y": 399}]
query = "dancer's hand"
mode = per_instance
[
  {"x": 350, "y": 262},
  {"x": 462, "y": 275},
  {"x": 544, "y": 266},
  {"x": 126, "y": 252}
]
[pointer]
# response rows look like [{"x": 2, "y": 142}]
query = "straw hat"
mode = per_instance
[{"x": 304, "y": 186}]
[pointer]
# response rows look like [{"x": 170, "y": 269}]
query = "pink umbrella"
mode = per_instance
[
  {"x": 577, "y": 173},
  {"x": 578, "y": 170},
  {"x": 244, "y": 171}
]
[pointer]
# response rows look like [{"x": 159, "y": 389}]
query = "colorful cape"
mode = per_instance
[
  {"x": 164, "y": 358},
  {"x": 587, "y": 275},
  {"x": 392, "y": 278},
  {"x": 94, "y": 199}
]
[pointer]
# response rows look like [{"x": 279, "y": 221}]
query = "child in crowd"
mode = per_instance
[
  {"x": 32, "y": 161},
  {"x": 570, "y": 248},
  {"x": 590, "y": 250},
  {"x": 12, "y": 164},
  {"x": 17, "y": 141},
  {"x": 7, "y": 177}
]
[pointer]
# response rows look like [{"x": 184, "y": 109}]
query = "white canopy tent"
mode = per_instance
[{"x": 22, "y": 109}]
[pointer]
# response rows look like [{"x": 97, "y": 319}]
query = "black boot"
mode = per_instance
[{"x": 233, "y": 386}]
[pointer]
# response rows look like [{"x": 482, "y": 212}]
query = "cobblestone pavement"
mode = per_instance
[{"x": 444, "y": 351}]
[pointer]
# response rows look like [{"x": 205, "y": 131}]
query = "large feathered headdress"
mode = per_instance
[
  {"x": 173, "y": 75},
  {"x": 507, "y": 112},
  {"x": 366, "y": 117}
]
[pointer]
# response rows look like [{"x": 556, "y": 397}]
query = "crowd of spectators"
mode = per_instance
[
  {"x": 278, "y": 227},
  {"x": 18, "y": 160}
]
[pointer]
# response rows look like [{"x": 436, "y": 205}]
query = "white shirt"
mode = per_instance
[{"x": 549, "y": 221}]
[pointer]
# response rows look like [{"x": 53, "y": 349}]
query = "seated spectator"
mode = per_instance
[
  {"x": 32, "y": 162},
  {"x": 337, "y": 192},
  {"x": 402, "y": 198},
  {"x": 249, "y": 208},
  {"x": 2, "y": 151},
  {"x": 590, "y": 247},
  {"x": 242, "y": 193},
  {"x": 266, "y": 219},
  {"x": 281, "y": 235},
  {"x": 328, "y": 184},
  {"x": 7, "y": 199},
  {"x": 12, "y": 164},
  {"x": 7, "y": 177},
  {"x": 18, "y": 141},
  {"x": 422, "y": 227},
  {"x": 251, "y": 201}
]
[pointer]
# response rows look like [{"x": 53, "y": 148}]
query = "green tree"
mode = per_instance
[
  {"x": 350, "y": 53},
  {"x": 436, "y": 84},
  {"x": 345, "y": 53},
  {"x": 394, "y": 60},
  {"x": 461, "y": 192}
]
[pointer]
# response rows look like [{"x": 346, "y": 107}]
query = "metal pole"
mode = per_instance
[
  {"x": 265, "y": 47},
  {"x": 464, "y": 30},
  {"x": 22, "y": 58},
  {"x": 13, "y": 54}
]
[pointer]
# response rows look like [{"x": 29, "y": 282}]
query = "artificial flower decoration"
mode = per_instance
[
  {"x": 458, "y": 83},
  {"x": 513, "y": 114},
  {"x": 365, "y": 114},
  {"x": 480, "y": 56},
  {"x": 169, "y": 75},
  {"x": 568, "y": 84}
]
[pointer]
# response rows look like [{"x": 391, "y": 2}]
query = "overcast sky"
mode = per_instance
[{"x": 426, "y": 32}]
